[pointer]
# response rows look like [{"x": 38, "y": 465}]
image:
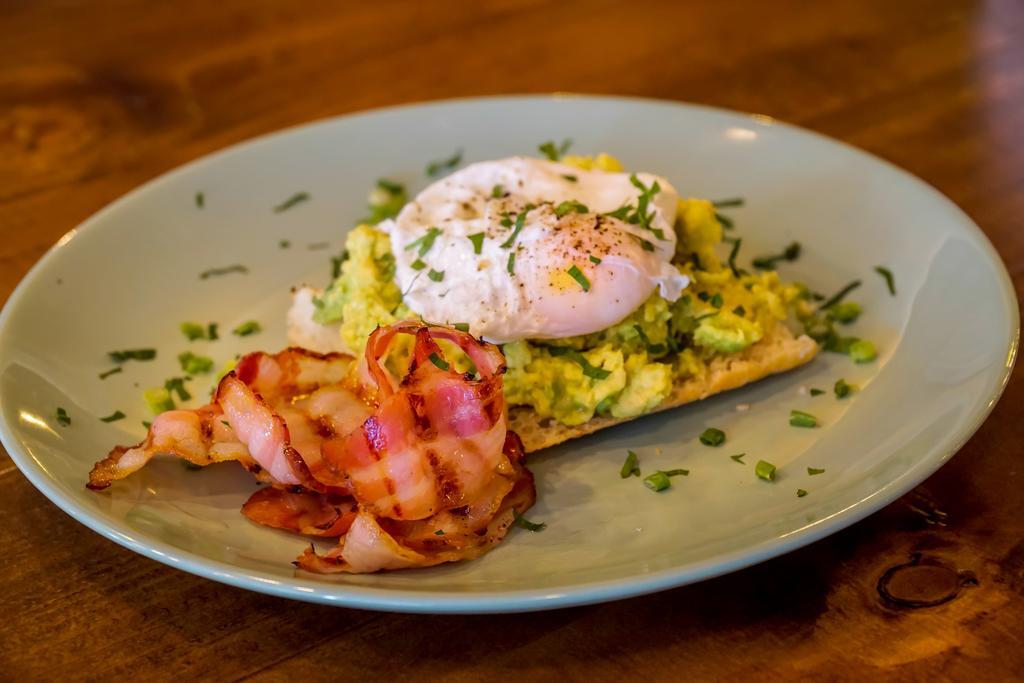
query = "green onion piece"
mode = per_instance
[
  {"x": 765, "y": 470},
  {"x": 337, "y": 261},
  {"x": 284, "y": 244},
  {"x": 839, "y": 296},
  {"x": 738, "y": 457},
  {"x": 511, "y": 265},
  {"x": 158, "y": 399},
  {"x": 296, "y": 198},
  {"x": 845, "y": 312},
  {"x": 461, "y": 327},
  {"x": 424, "y": 242},
  {"x": 478, "y": 242},
  {"x": 800, "y": 493},
  {"x": 621, "y": 213},
  {"x": 727, "y": 203},
  {"x": 418, "y": 264},
  {"x": 211, "y": 332},
  {"x": 62, "y": 417},
  {"x": 194, "y": 365},
  {"x": 630, "y": 468},
  {"x": 200, "y": 200},
  {"x": 703, "y": 296},
  {"x": 678, "y": 473},
  {"x": 436, "y": 275},
  {"x": 863, "y": 351},
  {"x": 717, "y": 300},
  {"x": 727, "y": 223},
  {"x": 390, "y": 186},
  {"x": 890, "y": 282},
  {"x": 740, "y": 311},
  {"x": 193, "y": 331},
  {"x": 571, "y": 178},
  {"x": 439, "y": 532},
  {"x": 817, "y": 392},
  {"x": 247, "y": 328},
  {"x": 579, "y": 277},
  {"x": 439, "y": 362},
  {"x": 814, "y": 470},
  {"x": 113, "y": 417},
  {"x": 843, "y": 389},
  {"x": 213, "y": 272},
  {"x": 712, "y": 437},
  {"x": 520, "y": 222},
  {"x": 653, "y": 349},
  {"x": 798, "y": 418},
  {"x": 111, "y": 371},
  {"x": 790, "y": 253},
  {"x": 498, "y": 191},
  {"x": 577, "y": 357},
  {"x": 435, "y": 168},
  {"x": 524, "y": 523},
  {"x": 732, "y": 256},
  {"x": 570, "y": 206},
  {"x": 132, "y": 354},
  {"x": 593, "y": 259},
  {"x": 177, "y": 384},
  {"x": 552, "y": 152},
  {"x": 657, "y": 481}
]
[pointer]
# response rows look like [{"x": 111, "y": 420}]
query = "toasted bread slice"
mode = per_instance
[{"x": 777, "y": 352}]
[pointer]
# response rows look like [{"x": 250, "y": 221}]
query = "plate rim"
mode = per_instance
[{"x": 485, "y": 602}]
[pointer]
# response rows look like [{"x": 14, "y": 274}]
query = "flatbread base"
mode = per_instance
[{"x": 777, "y": 352}]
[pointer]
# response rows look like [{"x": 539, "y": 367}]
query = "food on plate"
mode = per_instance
[
  {"x": 406, "y": 471},
  {"x": 606, "y": 290}
]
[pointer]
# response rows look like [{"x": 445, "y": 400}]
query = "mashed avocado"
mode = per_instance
[{"x": 624, "y": 370}]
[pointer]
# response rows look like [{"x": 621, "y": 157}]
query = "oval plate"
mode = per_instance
[{"x": 130, "y": 275}]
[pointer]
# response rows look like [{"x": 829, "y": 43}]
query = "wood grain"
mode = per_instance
[{"x": 97, "y": 98}]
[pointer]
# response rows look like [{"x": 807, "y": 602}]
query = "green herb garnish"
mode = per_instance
[
  {"x": 438, "y": 361},
  {"x": 630, "y": 468},
  {"x": 579, "y": 277},
  {"x": 845, "y": 312},
  {"x": 839, "y": 296},
  {"x": 570, "y": 206},
  {"x": 640, "y": 216},
  {"x": 790, "y": 253},
  {"x": 862, "y": 351},
  {"x": 147, "y": 424},
  {"x": 247, "y": 328},
  {"x": 478, "y": 242},
  {"x": 653, "y": 349},
  {"x": 727, "y": 203},
  {"x": 593, "y": 259},
  {"x": 158, "y": 399},
  {"x": 113, "y": 417},
  {"x": 740, "y": 311},
  {"x": 712, "y": 437},
  {"x": 800, "y": 493},
  {"x": 726, "y": 222},
  {"x": 660, "y": 480},
  {"x": 498, "y": 191},
  {"x": 817, "y": 392},
  {"x": 571, "y": 178},
  {"x": 296, "y": 198},
  {"x": 211, "y": 332},
  {"x": 461, "y": 327},
  {"x": 418, "y": 264},
  {"x": 132, "y": 354},
  {"x": 648, "y": 246},
  {"x": 717, "y": 300},
  {"x": 732, "y": 256},
  {"x": 765, "y": 470},
  {"x": 177, "y": 385},
  {"x": 435, "y": 168},
  {"x": 890, "y": 282},
  {"x": 424, "y": 242},
  {"x": 336, "y": 263},
  {"x": 193, "y": 364},
  {"x": 524, "y": 523},
  {"x": 621, "y": 213},
  {"x": 214, "y": 272},
  {"x": 814, "y": 470},
  {"x": 111, "y": 371},
  {"x": 193, "y": 331},
  {"x": 798, "y": 418},
  {"x": 553, "y": 153},
  {"x": 843, "y": 389},
  {"x": 581, "y": 360},
  {"x": 436, "y": 275},
  {"x": 738, "y": 457},
  {"x": 200, "y": 200},
  {"x": 284, "y": 244},
  {"x": 439, "y": 532},
  {"x": 62, "y": 417},
  {"x": 520, "y": 222},
  {"x": 511, "y": 265}
]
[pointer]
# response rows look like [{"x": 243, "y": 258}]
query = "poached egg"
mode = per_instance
[{"x": 523, "y": 248}]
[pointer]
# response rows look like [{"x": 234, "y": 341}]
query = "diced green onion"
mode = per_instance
[
  {"x": 520, "y": 222},
  {"x": 200, "y": 200},
  {"x": 524, "y": 523},
  {"x": 284, "y": 244},
  {"x": 814, "y": 470},
  {"x": 839, "y": 296},
  {"x": 62, "y": 417},
  {"x": 657, "y": 481},
  {"x": 112, "y": 371},
  {"x": 890, "y": 282},
  {"x": 863, "y": 351},
  {"x": 438, "y": 361},
  {"x": 177, "y": 384},
  {"x": 439, "y": 532},
  {"x": 798, "y": 418},
  {"x": 510, "y": 266},
  {"x": 435, "y": 275},
  {"x": 113, "y": 417},
  {"x": 678, "y": 473},
  {"x": 727, "y": 203},
  {"x": 596, "y": 261},
  {"x": 570, "y": 206},
  {"x": 296, "y": 198},
  {"x": 158, "y": 399},
  {"x": 132, "y": 354},
  {"x": 193, "y": 331},
  {"x": 195, "y": 365},
  {"x": 498, "y": 191},
  {"x": 212, "y": 272},
  {"x": 843, "y": 389},
  {"x": 478, "y": 242},
  {"x": 418, "y": 264},
  {"x": 712, "y": 437},
  {"x": 630, "y": 468},
  {"x": 571, "y": 178},
  {"x": 800, "y": 493},
  {"x": 738, "y": 457},
  {"x": 579, "y": 277},
  {"x": 436, "y": 168},
  {"x": 552, "y": 152},
  {"x": 717, "y": 300},
  {"x": 845, "y": 312},
  {"x": 817, "y": 392},
  {"x": 790, "y": 253},
  {"x": 740, "y": 311},
  {"x": 581, "y": 360},
  {"x": 424, "y": 242},
  {"x": 765, "y": 470},
  {"x": 736, "y": 243},
  {"x": 211, "y": 332},
  {"x": 461, "y": 327},
  {"x": 247, "y": 328},
  {"x": 726, "y": 222}
]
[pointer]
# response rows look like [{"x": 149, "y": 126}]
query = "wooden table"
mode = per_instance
[{"x": 98, "y": 98}]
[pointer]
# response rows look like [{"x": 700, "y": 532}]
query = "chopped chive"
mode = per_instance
[
  {"x": 839, "y": 296},
  {"x": 817, "y": 392},
  {"x": 214, "y": 272},
  {"x": 593, "y": 259},
  {"x": 570, "y": 206},
  {"x": 732, "y": 256},
  {"x": 498, "y": 191},
  {"x": 579, "y": 277},
  {"x": 717, "y": 300},
  {"x": 436, "y": 168},
  {"x": 461, "y": 327},
  {"x": 520, "y": 222},
  {"x": 552, "y": 152},
  {"x": 653, "y": 349},
  {"x": 845, "y": 312},
  {"x": 177, "y": 385},
  {"x": 571, "y": 178},
  {"x": 200, "y": 200},
  {"x": 147, "y": 424},
  {"x": 438, "y": 361},
  {"x": 581, "y": 360},
  {"x": 814, "y": 470},
  {"x": 726, "y": 222},
  {"x": 158, "y": 399},
  {"x": 621, "y": 213},
  {"x": 738, "y": 457},
  {"x": 800, "y": 493},
  {"x": 436, "y": 275},
  {"x": 658, "y": 481},
  {"x": 193, "y": 364},
  {"x": 418, "y": 264},
  {"x": 727, "y": 203},
  {"x": 524, "y": 523},
  {"x": 113, "y": 417},
  {"x": 890, "y": 282},
  {"x": 647, "y": 245},
  {"x": 336, "y": 263},
  {"x": 712, "y": 437},
  {"x": 511, "y": 265},
  {"x": 678, "y": 473},
  {"x": 862, "y": 351},
  {"x": 247, "y": 328},
  {"x": 62, "y": 417},
  {"x": 225, "y": 423},
  {"x": 390, "y": 186},
  {"x": 630, "y": 468},
  {"x": 798, "y": 418},
  {"x": 478, "y": 242},
  {"x": 424, "y": 242},
  {"x": 132, "y": 354},
  {"x": 296, "y": 198},
  {"x": 765, "y": 470},
  {"x": 111, "y": 371},
  {"x": 843, "y": 389},
  {"x": 211, "y": 332},
  {"x": 284, "y": 244},
  {"x": 703, "y": 296},
  {"x": 439, "y": 532},
  {"x": 740, "y": 311},
  {"x": 790, "y": 253},
  {"x": 193, "y": 331}
]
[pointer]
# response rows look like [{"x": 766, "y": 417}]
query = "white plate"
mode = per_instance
[{"x": 128, "y": 276}]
